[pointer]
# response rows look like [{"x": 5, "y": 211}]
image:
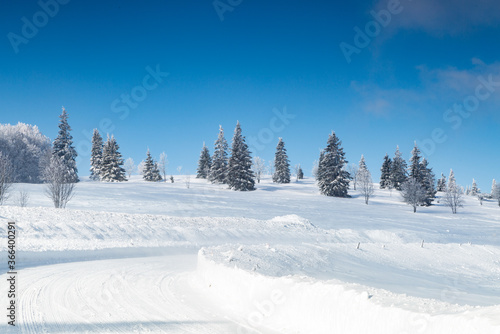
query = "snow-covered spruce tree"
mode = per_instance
[
  {"x": 281, "y": 164},
  {"x": 239, "y": 171},
  {"x": 333, "y": 179},
  {"x": 474, "y": 190},
  {"x": 415, "y": 168},
  {"x": 63, "y": 148},
  {"x": 398, "y": 170},
  {"x": 96, "y": 156},
  {"x": 454, "y": 193},
  {"x": 156, "y": 172},
  {"x": 413, "y": 193},
  {"x": 364, "y": 180},
  {"x": 428, "y": 182},
  {"x": 300, "y": 173},
  {"x": 441, "y": 183},
  {"x": 112, "y": 162},
  {"x": 420, "y": 171},
  {"x": 493, "y": 186},
  {"x": 361, "y": 167},
  {"x": 218, "y": 170},
  {"x": 151, "y": 171},
  {"x": 385, "y": 173},
  {"x": 204, "y": 163},
  {"x": 259, "y": 167}
]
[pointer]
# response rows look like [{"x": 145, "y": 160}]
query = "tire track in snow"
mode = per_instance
[{"x": 137, "y": 295}]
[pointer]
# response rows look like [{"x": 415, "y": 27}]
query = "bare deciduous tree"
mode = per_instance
[
  {"x": 270, "y": 168},
  {"x": 163, "y": 165},
  {"x": 353, "y": 171},
  {"x": 129, "y": 167},
  {"x": 23, "y": 198},
  {"x": 453, "y": 196},
  {"x": 59, "y": 188},
  {"x": 413, "y": 193},
  {"x": 6, "y": 175},
  {"x": 259, "y": 168},
  {"x": 495, "y": 193},
  {"x": 365, "y": 183}
]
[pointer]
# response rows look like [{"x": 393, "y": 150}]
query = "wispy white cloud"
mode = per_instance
[
  {"x": 445, "y": 16},
  {"x": 437, "y": 88}
]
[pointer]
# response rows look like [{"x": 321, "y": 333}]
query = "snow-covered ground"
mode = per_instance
[{"x": 126, "y": 257}]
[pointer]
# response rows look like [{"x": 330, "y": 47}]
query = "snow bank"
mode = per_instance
[{"x": 293, "y": 304}]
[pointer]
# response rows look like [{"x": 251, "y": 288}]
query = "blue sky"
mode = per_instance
[{"x": 261, "y": 60}]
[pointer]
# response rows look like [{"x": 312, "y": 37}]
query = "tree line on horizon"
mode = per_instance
[{"x": 55, "y": 165}]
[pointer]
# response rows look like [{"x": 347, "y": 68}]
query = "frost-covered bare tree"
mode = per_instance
[
  {"x": 163, "y": 165},
  {"x": 296, "y": 170},
  {"x": 23, "y": 198},
  {"x": 365, "y": 183},
  {"x": 140, "y": 167},
  {"x": 59, "y": 187},
  {"x": 495, "y": 193},
  {"x": 413, "y": 193},
  {"x": 129, "y": 166},
  {"x": 270, "y": 167},
  {"x": 6, "y": 177},
  {"x": 453, "y": 196},
  {"x": 353, "y": 171},
  {"x": 259, "y": 167},
  {"x": 26, "y": 149}
]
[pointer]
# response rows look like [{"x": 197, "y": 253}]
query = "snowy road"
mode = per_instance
[{"x": 137, "y": 295}]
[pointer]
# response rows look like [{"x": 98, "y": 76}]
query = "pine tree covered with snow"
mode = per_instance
[
  {"x": 63, "y": 147},
  {"x": 112, "y": 162},
  {"x": 281, "y": 164},
  {"x": 428, "y": 182},
  {"x": 398, "y": 170},
  {"x": 415, "y": 170},
  {"x": 96, "y": 156},
  {"x": 451, "y": 179},
  {"x": 151, "y": 172},
  {"x": 441, "y": 184},
  {"x": 493, "y": 186},
  {"x": 239, "y": 172},
  {"x": 474, "y": 189},
  {"x": 385, "y": 173},
  {"x": 218, "y": 170},
  {"x": 300, "y": 173},
  {"x": 204, "y": 163},
  {"x": 333, "y": 179}
]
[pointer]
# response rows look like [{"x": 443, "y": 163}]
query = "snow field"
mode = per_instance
[
  {"x": 281, "y": 259},
  {"x": 295, "y": 304}
]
